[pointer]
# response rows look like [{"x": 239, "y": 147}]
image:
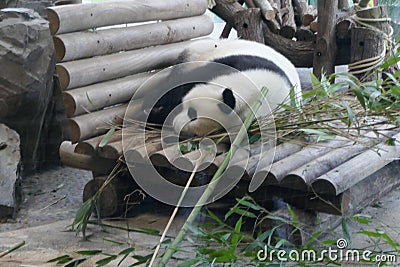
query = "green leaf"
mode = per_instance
[
  {"x": 106, "y": 260},
  {"x": 89, "y": 252},
  {"x": 360, "y": 97},
  {"x": 362, "y": 218},
  {"x": 248, "y": 204},
  {"x": 350, "y": 114},
  {"x": 395, "y": 90},
  {"x": 62, "y": 259},
  {"x": 113, "y": 241},
  {"x": 141, "y": 259},
  {"x": 107, "y": 137},
  {"x": 89, "y": 100},
  {"x": 391, "y": 141},
  {"x": 345, "y": 231},
  {"x": 391, "y": 61},
  {"x": 126, "y": 251},
  {"x": 76, "y": 262}
]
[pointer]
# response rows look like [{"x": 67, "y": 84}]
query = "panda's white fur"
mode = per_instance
[{"x": 204, "y": 98}]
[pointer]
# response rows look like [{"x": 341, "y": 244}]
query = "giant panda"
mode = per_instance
[{"x": 221, "y": 98}]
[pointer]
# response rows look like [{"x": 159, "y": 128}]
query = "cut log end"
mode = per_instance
[
  {"x": 69, "y": 104},
  {"x": 54, "y": 20},
  {"x": 63, "y": 77},
  {"x": 74, "y": 131},
  {"x": 323, "y": 186},
  {"x": 60, "y": 48}
]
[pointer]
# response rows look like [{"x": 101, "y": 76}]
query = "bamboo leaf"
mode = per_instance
[
  {"x": 89, "y": 252},
  {"x": 107, "y": 136},
  {"x": 105, "y": 261}
]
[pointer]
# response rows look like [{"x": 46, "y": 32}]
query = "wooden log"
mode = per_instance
[
  {"x": 380, "y": 13},
  {"x": 90, "y": 146},
  {"x": 256, "y": 161},
  {"x": 345, "y": 175},
  {"x": 325, "y": 50},
  {"x": 70, "y": 18},
  {"x": 367, "y": 52},
  {"x": 100, "y": 95},
  {"x": 95, "y": 123},
  {"x": 165, "y": 156},
  {"x": 78, "y": 45},
  {"x": 300, "y": 8},
  {"x": 140, "y": 154},
  {"x": 266, "y": 9},
  {"x": 343, "y": 4},
  {"x": 248, "y": 25},
  {"x": 363, "y": 3},
  {"x": 67, "y": 2},
  {"x": 288, "y": 28},
  {"x": 314, "y": 25},
  {"x": 304, "y": 33},
  {"x": 112, "y": 150},
  {"x": 273, "y": 174},
  {"x": 85, "y": 162},
  {"x": 351, "y": 201},
  {"x": 302, "y": 177},
  {"x": 309, "y": 15},
  {"x": 116, "y": 197},
  {"x": 299, "y": 53},
  {"x": 93, "y": 70},
  {"x": 343, "y": 28}
]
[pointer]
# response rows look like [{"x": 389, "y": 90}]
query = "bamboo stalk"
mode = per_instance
[
  {"x": 13, "y": 248},
  {"x": 78, "y": 45},
  {"x": 211, "y": 186},
  {"x": 70, "y": 18}
]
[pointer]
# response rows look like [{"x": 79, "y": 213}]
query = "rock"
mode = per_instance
[
  {"x": 10, "y": 162},
  {"x": 39, "y": 5},
  {"x": 28, "y": 98}
]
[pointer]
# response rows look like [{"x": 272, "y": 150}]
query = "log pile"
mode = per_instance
[
  {"x": 290, "y": 19},
  {"x": 99, "y": 81}
]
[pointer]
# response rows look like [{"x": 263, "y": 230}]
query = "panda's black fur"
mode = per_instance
[{"x": 174, "y": 97}]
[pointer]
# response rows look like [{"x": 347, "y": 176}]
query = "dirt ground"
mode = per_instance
[{"x": 51, "y": 199}]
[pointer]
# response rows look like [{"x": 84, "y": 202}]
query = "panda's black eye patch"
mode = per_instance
[{"x": 192, "y": 113}]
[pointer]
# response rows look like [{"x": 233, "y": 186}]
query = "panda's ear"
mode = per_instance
[{"x": 229, "y": 101}]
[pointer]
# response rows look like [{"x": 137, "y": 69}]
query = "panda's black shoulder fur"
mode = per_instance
[{"x": 249, "y": 62}]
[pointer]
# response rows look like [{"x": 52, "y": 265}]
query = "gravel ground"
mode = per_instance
[{"x": 49, "y": 196}]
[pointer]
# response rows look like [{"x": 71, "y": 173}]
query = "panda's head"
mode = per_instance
[{"x": 207, "y": 108}]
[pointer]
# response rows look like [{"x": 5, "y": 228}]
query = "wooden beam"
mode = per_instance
[
  {"x": 95, "y": 123},
  {"x": 96, "y": 96},
  {"x": 325, "y": 50},
  {"x": 346, "y": 176},
  {"x": 70, "y": 18},
  {"x": 83, "y": 72},
  {"x": 248, "y": 25},
  {"x": 85, "y": 162},
  {"x": 78, "y": 45}
]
